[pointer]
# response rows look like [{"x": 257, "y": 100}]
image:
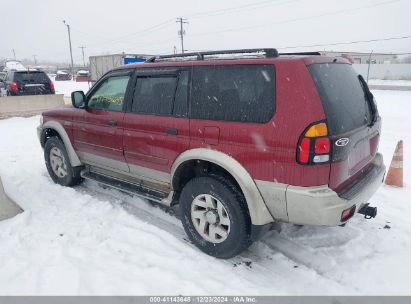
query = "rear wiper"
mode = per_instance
[{"x": 369, "y": 97}]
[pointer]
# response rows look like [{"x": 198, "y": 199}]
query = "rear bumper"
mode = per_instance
[{"x": 322, "y": 206}]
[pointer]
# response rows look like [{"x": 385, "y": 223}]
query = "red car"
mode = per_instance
[
  {"x": 239, "y": 139},
  {"x": 83, "y": 76}
]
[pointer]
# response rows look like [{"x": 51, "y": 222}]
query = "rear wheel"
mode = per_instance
[
  {"x": 215, "y": 216},
  {"x": 58, "y": 163}
]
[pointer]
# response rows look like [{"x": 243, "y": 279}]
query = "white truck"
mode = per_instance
[{"x": 99, "y": 65}]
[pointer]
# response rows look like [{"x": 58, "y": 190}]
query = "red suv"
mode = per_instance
[{"x": 239, "y": 139}]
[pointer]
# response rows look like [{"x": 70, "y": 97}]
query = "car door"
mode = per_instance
[
  {"x": 98, "y": 136},
  {"x": 156, "y": 127}
]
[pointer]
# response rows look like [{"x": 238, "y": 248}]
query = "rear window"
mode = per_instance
[
  {"x": 343, "y": 97},
  {"x": 244, "y": 93},
  {"x": 31, "y": 77}
]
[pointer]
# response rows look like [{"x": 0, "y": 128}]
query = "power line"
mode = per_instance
[
  {"x": 347, "y": 42},
  {"x": 151, "y": 28},
  {"x": 255, "y": 5},
  {"x": 296, "y": 19},
  {"x": 169, "y": 21},
  {"x": 89, "y": 34},
  {"x": 225, "y": 11},
  {"x": 195, "y": 15},
  {"x": 250, "y": 6},
  {"x": 140, "y": 32}
]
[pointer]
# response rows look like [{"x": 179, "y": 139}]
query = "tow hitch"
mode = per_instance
[{"x": 369, "y": 212}]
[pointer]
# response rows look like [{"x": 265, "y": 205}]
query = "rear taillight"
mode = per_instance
[
  {"x": 314, "y": 146},
  {"x": 14, "y": 87},
  {"x": 347, "y": 214},
  {"x": 51, "y": 86}
]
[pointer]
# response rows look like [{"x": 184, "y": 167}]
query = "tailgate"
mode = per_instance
[
  {"x": 352, "y": 155},
  {"x": 32, "y": 82}
]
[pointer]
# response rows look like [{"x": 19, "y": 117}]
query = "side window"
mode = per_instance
[
  {"x": 110, "y": 94},
  {"x": 244, "y": 93},
  {"x": 154, "y": 95}
]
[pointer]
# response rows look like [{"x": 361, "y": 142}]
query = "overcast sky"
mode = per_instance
[{"x": 36, "y": 27}]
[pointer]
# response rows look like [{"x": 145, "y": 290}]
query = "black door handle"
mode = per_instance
[
  {"x": 112, "y": 122},
  {"x": 171, "y": 131}
]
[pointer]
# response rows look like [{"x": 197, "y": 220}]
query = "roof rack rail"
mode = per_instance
[
  {"x": 269, "y": 53},
  {"x": 302, "y": 53}
]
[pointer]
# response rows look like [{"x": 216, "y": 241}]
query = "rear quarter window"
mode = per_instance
[
  {"x": 244, "y": 93},
  {"x": 342, "y": 95}
]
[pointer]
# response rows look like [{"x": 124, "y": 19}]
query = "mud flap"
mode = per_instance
[{"x": 8, "y": 208}]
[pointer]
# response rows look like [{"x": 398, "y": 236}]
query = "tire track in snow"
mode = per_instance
[
  {"x": 304, "y": 255},
  {"x": 169, "y": 221}
]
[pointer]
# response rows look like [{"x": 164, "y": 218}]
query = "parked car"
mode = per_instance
[
  {"x": 83, "y": 76},
  {"x": 63, "y": 76},
  {"x": 238, "y": 142},
  {"x": 3, "y": 91},
  {"x": 28, "y": 82}
]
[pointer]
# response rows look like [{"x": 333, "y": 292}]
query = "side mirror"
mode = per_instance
[{"x": 78, "y": 99}]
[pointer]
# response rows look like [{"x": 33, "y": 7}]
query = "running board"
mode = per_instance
[{"x": 139, "y": 190}]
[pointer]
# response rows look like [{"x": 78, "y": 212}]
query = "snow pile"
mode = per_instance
[{"x": 90, "y": 240}]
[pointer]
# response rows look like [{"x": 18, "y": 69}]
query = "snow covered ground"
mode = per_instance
[
  {"x": 68, "y": 86},
  {"x": 90, "y": 240}
]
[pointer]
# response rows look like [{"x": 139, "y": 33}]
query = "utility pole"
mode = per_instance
[
  {"x": 71, "y": 51},
  {"x": 369, "y": 65},
  {"x": 82, "y": 50},
  {"x": 14, "y": 54},
  {"x": 182, "y": 32},
  {"x": 35, "y": 59}
]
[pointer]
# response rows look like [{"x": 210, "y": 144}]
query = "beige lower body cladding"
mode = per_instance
[{"x": 28, "y": 105}]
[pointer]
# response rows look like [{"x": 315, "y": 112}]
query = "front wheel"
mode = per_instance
[
  {"x": 58, "y": 164},
  {"x": 215, "y": 216}
]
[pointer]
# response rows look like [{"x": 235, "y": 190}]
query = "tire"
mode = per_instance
[
  {"x": 219, "y": 239},
  {"x": 58, "y": 164}
]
